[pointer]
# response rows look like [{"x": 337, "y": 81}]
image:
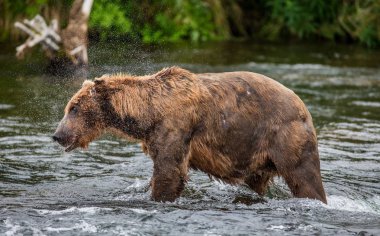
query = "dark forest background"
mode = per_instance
[{"x": 156, "y": 21}]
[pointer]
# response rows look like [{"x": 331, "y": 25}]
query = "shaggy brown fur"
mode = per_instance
[{"x": 239, "y": 127}]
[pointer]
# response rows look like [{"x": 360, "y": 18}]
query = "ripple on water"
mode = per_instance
[
  {"x": 6, "y": 106},
  {"x": 366, "y": 104}
]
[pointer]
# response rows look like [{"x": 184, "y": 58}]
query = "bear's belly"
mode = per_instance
[{"x": 218, "y": 165}]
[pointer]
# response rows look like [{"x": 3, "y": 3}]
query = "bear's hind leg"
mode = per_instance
[
  {"x": 302, "y": 174},
  {"x": 305, "y": 182}
]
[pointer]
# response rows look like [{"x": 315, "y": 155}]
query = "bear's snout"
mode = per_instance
[
  {"x": 59, "y": 138},
  {"x": 62, "y": 138}
]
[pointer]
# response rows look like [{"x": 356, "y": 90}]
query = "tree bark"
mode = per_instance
[{"x": 75, "y": 39}]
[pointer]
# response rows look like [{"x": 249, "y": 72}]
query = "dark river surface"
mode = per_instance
[{"x": 104, "y": 190}]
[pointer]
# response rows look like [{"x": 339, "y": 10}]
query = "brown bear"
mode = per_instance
[{"x": 240, "y": 127}]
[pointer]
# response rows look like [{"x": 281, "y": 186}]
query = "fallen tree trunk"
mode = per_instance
[{"x": 66, "y": 49}]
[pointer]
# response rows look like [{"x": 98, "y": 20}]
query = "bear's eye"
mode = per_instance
[{"x": 74, "y": 109}]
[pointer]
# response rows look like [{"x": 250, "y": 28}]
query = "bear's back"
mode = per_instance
[{"x": 254, "y": 94}]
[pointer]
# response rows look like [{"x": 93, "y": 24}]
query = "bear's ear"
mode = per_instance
[
  {"x": 99, "y": 85},
  {"x": 105, "y": 86},
  {"x": 165, "y": 73},
  {"x": 87, "y": 83},
  {"x": 173, "y": 72},
  {"x": 100, "y": 80}
]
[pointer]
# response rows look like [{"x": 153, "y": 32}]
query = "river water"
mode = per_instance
[{"x": 104, "y": 190}]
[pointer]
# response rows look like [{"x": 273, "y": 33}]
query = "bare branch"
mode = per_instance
[
  {"x": 39, "y": 32},
  {"x": 86, "y": 7}
]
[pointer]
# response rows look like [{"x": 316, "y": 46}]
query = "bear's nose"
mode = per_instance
[
  {"x": 62, "y": 138},
  {"x": 56, "y": 138}
]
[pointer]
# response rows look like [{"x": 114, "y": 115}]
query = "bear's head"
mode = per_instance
[{"x": 83, "y": 120}]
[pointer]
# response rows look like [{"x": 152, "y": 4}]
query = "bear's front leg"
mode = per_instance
[
  {"x": 168, "y": 182},
  {"x": 169, "y": 152}
]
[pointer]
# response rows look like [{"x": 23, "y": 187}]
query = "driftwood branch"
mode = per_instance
[
  {"x": 39, "y": 33},
  {"x": 66, "y": 49}
]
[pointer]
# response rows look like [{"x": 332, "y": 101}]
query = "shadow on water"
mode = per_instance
[{"x": 105, "y": 189}]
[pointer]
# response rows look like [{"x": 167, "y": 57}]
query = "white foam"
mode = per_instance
[
  {"x": 87, "y": 210},
  {"x": 358, "y": 205},
  {"x": 302, "y": 227},
  {"x": 222, "y": 186},
  {"x": 83, "y": 226},
  {"x": 119, "y": 230},
  {"x": 137, "y": 184},
  {"x": 277, "y": 227},
  {"x": 138, "y": 187},
  {"x": 13, "y": 228},
  {"x": 142, "y": 211}
]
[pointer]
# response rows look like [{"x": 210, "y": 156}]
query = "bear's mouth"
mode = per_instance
[
  {"x": 76, "y": 142},
  {"x": 72, "y": 146},
  {"x": 69, "y": 143}
]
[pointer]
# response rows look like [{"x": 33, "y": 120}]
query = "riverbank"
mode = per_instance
[{"x": 344, "y": 22}]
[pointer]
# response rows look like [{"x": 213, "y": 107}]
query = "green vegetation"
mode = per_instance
[
  {"x": 108, "y": 17},
  {"x": 17, "y": 10},
  {"x": 155, "y": 21}
]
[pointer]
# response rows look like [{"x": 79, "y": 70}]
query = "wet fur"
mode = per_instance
[{"x": 240, "y": 127}]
